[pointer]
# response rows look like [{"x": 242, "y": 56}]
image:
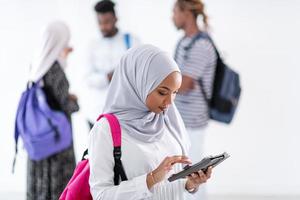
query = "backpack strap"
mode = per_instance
[
  {"x": 127, "y": 40},
  {"x": 177, "y": 48},
  {"x": 16, "y": 148},
  {"x": 202, "y": 35},
  {"x": 16, "y": 137},
  {"x": 116, "y": 137},
  {"x": 198, "y": 36},
  {"x": 17, "y": 133},
  {"x": 186, "y": 53}
]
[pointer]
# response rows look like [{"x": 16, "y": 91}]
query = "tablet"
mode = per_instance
[{"x": 202, "y": 165}]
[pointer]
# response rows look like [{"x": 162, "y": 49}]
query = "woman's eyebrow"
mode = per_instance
[{"x": 164, "y": 87}]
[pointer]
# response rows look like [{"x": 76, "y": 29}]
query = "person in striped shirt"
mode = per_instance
[{"x": 196, "y": 61}]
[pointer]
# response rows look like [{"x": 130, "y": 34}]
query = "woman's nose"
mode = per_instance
[{"x": 169, "y": 100}]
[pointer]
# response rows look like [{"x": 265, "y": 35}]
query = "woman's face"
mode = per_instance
[
  {"x": 179, "y": 17},
  {"x": 162, "y": 97},
  {"x": 65, "y": 52}
]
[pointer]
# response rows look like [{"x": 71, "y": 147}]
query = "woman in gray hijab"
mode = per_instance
[
  {"x": 47, "y": 178},
  {"x": 154, "y": 139}
]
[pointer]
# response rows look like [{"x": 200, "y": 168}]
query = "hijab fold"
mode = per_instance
[
  {"x": 55, "y": 37},
  {"x": 140, "y": 71}
]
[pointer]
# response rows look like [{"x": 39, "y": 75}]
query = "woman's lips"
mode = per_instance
[{"x": 163, "y": 108}]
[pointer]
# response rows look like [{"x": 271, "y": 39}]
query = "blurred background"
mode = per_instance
[{"x": 258, "y": 38}]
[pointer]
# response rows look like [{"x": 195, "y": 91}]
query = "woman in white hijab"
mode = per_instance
[
  {"x": 47, "y": 178},
  {"x": 154, "y": 142}
]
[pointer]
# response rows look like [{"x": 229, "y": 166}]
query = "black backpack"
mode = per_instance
[{"x": 226, "y": 87}]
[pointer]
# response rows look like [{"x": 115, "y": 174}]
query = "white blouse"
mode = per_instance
[
  {"x": 104, "y": 54},
  {"x": 138, "y": 160}
]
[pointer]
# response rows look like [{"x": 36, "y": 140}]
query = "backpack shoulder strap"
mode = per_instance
[
  {"x": 198, "y": 36},
  {"x": 16, "y": 147},
  {"x": 177, "y": 48},
  {"x": 127, "y": 40},
  {"x": 115, "y": 131},
  {"x": 22, "y": 104},
  {"x": 193, "y": 41},
  {"x": 114, "y": 127},
  {"x": 206, "y": 36},
  {"x": 116, "y": 137}
]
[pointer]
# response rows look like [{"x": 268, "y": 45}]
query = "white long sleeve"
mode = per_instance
[
  {"x": 96, "y": 78},
  {"x": 138, "y": 159},
  {"x": 103, "y": 56},
  {"x": 101, "y": 169}
]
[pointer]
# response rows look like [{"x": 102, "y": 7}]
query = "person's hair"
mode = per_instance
[
  {"x": 195, "y": 6},
  {"x": 105, "y": 6}
]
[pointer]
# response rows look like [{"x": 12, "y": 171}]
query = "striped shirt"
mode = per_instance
[{"x": 198, "y": 63}]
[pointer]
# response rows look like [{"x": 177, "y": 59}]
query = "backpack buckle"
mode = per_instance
[{"x": 117, "y": 153}]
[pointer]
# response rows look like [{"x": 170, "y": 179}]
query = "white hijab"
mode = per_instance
[
  {"x": 140, "y": 71},
  {"x": 55, "y": 37}
]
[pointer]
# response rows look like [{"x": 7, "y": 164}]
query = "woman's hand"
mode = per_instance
[
  {"x": 165, "y": 166},
  {"x": 73, "y": 97},
  {"x": 110, "y": 75},
  {"x": 196, "y": 179}
]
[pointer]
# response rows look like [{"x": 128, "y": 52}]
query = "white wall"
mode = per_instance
[{"x": 259, "y": 38}]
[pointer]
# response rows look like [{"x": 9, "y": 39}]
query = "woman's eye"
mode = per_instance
[{"x": 162, "y": 93}]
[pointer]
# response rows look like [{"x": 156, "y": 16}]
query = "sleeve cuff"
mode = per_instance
[{"x": 141, "y": 186}]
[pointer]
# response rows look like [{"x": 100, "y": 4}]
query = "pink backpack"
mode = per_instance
[{"x": 78, "y": 187}]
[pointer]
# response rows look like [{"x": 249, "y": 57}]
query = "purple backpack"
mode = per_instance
[{"x": 44, "y": 131}]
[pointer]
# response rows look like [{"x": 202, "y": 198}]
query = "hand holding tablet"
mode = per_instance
[{"x": 202, "y": 165}]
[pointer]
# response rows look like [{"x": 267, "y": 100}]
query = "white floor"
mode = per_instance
[
  {"x": 253, "y": 197},
  {"x": 20, "y": 196}
]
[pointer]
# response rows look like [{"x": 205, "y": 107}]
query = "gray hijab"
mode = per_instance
[{"x": 140, "y": 71}]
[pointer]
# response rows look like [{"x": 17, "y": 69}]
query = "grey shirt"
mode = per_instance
[{"x": 199, "y": 63}]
